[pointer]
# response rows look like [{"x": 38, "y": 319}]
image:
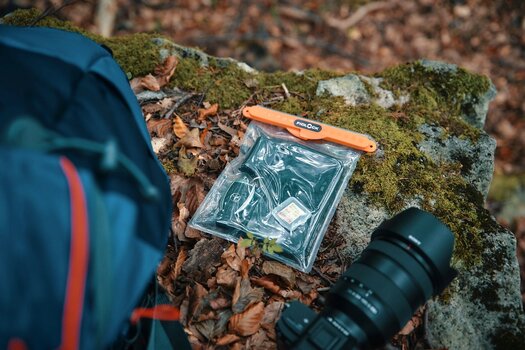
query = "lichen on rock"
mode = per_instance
[{"x": 427, "y": 118}]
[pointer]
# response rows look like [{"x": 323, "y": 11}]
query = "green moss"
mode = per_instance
[
  {"x": 440, "y": 96},
  {"x": 136, "y": 54},
  {"x": 225, "y": 86}
]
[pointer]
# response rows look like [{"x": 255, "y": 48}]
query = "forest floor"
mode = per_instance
[{"x": 487, "y": 37}]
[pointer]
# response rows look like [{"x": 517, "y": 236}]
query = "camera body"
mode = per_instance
[{"x": 405, "y": 264}]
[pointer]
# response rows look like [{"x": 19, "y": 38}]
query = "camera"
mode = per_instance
[{"x": 406, "y": 263}]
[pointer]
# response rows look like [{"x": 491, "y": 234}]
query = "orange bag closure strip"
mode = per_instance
[{"x": 306, "y": 129}]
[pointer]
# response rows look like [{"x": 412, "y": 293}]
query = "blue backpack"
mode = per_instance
[{"x": 84, "y": 203}]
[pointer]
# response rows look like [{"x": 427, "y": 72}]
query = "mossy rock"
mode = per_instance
[{"x": 432, "y": 154}]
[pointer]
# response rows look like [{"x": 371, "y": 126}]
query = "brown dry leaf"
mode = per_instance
[
  {"x": 191, "y": 140},
  {"x": 247, "y": 296},
  {"x": 226, "y": 276},
  {"x": 159, "y": 144},
  {"x": 178, "y": 185},
  {"x": 194, "y": 196},
  {"x": 231, "y": 258},
  {"x": 161, "y": 127},
  {"x": 245, "y": 268},
  {"x": 240, "y": 250},
  {"x": 227, "y": 339},
  {"x": 291, "y": 294},
  {"x": 178, "y": 227},
  {"x": 149, "y": 82},
  {"x": 272, "y": 312},
  {"x": 307, "y": 299},
  {"x": 204, "y": 112},
  {"x": 229, "y": 130},
  {"x": 179, "y": 128},
  {"x": 198, "y": 303},
  {"x": 237, "y": 291},
  {"x": 192, "y": 233},
  {"x": 218, "y": 141},
  {"x": 220, "y": 303},
  {"x": 206, "y": 328},
  {"x": 269, "y": 283},
  {"x": 306, "y": 282},
  {"x": 184, "y": 213},
  {"x": 248, "y": 322},
  {"x": 181, "y": 258},
  {"x": 284, "y": 272},
  {"x": 187, "y": 165},
  {"x": 236, "y": 346},
  {"x": 260, "y": 341},
  {"x": 185, "y": 307},
  {"x": 165, "y": 70}
]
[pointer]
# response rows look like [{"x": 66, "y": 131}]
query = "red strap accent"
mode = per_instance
[
  {"x": 78, "y": 259},
  {"x": 16, "y": 344},
  {"x": 159, "y": 312}
]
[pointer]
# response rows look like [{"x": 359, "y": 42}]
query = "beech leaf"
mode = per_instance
[{"x": 249, "y": 321}]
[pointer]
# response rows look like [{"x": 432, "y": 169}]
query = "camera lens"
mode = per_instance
[{"x": 406, "y": 262}]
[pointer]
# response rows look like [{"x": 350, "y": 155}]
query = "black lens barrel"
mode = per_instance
[{"x": 405, "y": 264}]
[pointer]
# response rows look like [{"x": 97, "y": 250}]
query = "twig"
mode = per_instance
[
  {"x": 51, "y": 11},
  {"x": 179, "y": 103},
  {"x": 362, "y": 12}
]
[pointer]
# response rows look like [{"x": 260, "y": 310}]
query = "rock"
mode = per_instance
[
  {"x": 474, "y": 108},
  {"x": 477, "y": 159},
  {"x": 482, "y": 309},
  {"x": 382, "y": 97},
  {"x": 350, "y": 87}
]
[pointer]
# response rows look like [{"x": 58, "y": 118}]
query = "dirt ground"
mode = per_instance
[{"x": 484, "y": 36}]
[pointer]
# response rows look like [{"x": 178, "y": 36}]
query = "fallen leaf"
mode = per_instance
[
  {"x": 191, "y": 140},
  {"x": 227, "y": 339},
  {"x": 178, "y": 227},
  {"x": 268, "y": 283},
  {"x": 195, "y": 196},
  {"x": 178, "y": 185},
  {"x": 226, "y": 276},
  {"x": 192, "y": 233},
  {"x": 240, "y": 250},
  {"x": 231, "y": 258},
  {"x": 220, "y": 303},
  {"x": 159, "y": 144},
  {"x": 159, "y": 127},
  {"x": 245, "y": 268},
  {"x": 291, "y": 294},
  {"x": 181, "y": 258},
  {"x": 186, "y": 164},
  {"x": 229, "y": 130},
  {"x": 278, "y": 269},
  {"x": 198, "y": 302},
  {"x": 206, "y": 328},
  {"x": 204, "y": 112},
  {"x": 248, "y": 322},
  {"x": 148, "y": 82},
  {"x": 184, "y": 307},
  {"x": 165, "y": 70},
  {"x": 260, "y": 341},
  {"x": 237, "y": 291},
  {"x": 307, "y": 299},
  {"x": 272, "y": 312},
  {"x": 246, "y": 295},
  {"x": 179, "y": 128},
  {"x": 184, "y": 213}
]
